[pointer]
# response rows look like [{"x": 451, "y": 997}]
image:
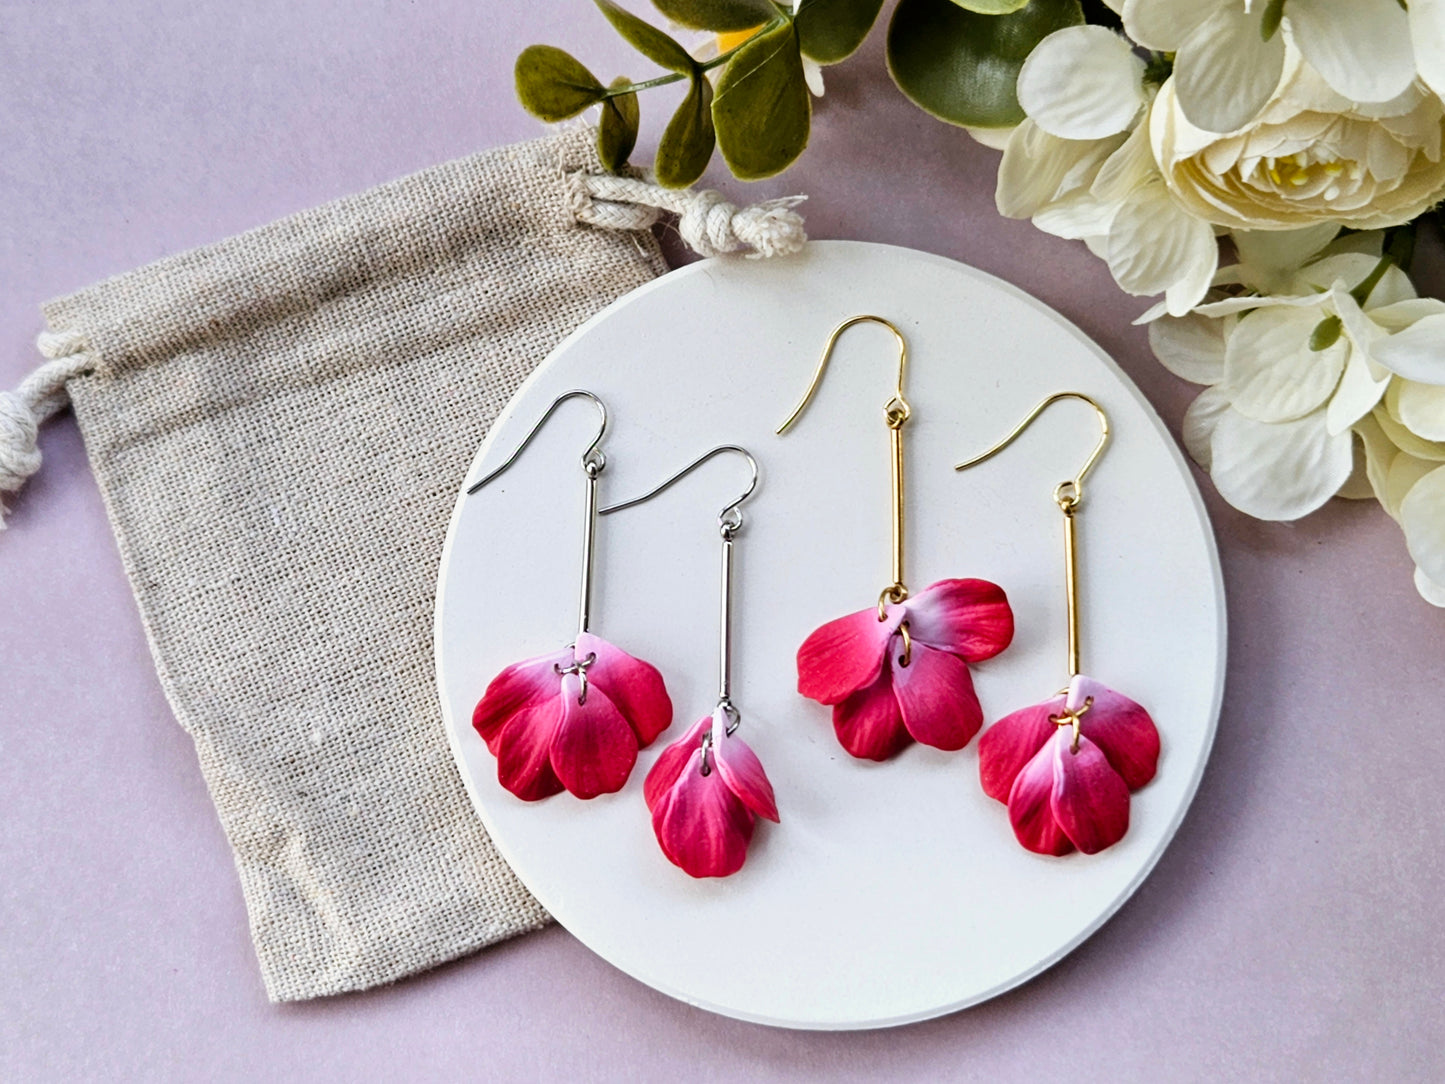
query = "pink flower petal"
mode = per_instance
[
  {"x": 673, "y": 762},
  {"x": 869, "y": 723},
  {"x": 634, "y": 687},
  {"x": 970, "y": 618},
  {"x": 523, "y": 750},
  {"x": 1011, "y": 743},
  {"x": 1090, "y": 800},
  {"x": 936, "y": 698},
  {"x": 594, "y": 748},
  {"x": 702, "y": 826},
  {"x": 1030, "y": 806},
  {"x": 521, "y": 685},
  {"x": 1120, "y": 727},
  {"x": 844, "y": 655},
  {"x": 743, "y": 772}
]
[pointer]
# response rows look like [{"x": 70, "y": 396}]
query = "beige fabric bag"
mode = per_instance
[{"x": 279, "y": 424}]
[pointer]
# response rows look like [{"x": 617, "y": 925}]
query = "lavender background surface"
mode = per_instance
[{"x": 1292, "y": 932}]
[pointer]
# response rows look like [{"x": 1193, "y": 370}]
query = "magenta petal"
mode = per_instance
[
  {"x": 843, "y": 656},
  {"x": 523, "y": 750},
  {"x": 702, "y": 826},
  {"x": 743, "y": 772},
  {"x": 521, "y": 685},
  {"x": 936, "y": 698},
  {"x": 1120, "y": 727},
  {"x": 1011, "y": 743},
  {"x": 1030, "y": 807},
  {"x": 594, "y": 748},
  {"x": 673, "y": 761},
  {"x": 970, "y": 618},
  {"x": 1090, "y": 800},
  {"x": 869, "y": 724},
  {"x": 634, "y": 687}
]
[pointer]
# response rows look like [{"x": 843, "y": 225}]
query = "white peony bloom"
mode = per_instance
[
  {"x": 1311, "y": 156},
  {"x": 1081, "y": 167},
  {"x": 1226, "y": 70}
]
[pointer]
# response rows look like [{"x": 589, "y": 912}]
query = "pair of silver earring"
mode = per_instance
[{"x": 575, "y": 719}]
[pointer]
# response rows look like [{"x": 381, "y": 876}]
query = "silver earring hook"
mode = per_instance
[
  {"x": 592, "y": 460},
  {"x": 730, "y": 519}
]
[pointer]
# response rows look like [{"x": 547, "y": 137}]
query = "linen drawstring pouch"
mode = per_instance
[{"x": 278, "y": 424}]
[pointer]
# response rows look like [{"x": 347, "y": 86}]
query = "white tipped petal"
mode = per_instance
[
  {"x": 1358, "y": 394},
  {"x": 1427, "y": 32},
  {"x": 1154, "y": 245},
  {"x": 1272, "y": 254},
  {"x": 1278, "y": 470},
  {"x": 993, "y": 138},
  {"x": 1422, "y": 515},
  {"x": 1430, "y": 591},
  {"x": 1270, "y": 372},
  {"x": 1199, "y": 422},
  {"x": 1380, "y": 453},
  {"x": 1417, "y": 353},
  {"x": 1421, "y": 409},
  {"x": 1164, "y": 24},
  {"x": 1191, "y": 347},
  {"x": 1083, "y": 82},
  {"x": 1225, "y": 71},
  {"x": 1360, "y": 47}
]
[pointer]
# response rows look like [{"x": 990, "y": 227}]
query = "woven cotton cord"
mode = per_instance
[
  {"x": 709, "y": 224},
  {"x": 40, "y": 395}
]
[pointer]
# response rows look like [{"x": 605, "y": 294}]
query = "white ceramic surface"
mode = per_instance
[{"x": 889, "y": 892}]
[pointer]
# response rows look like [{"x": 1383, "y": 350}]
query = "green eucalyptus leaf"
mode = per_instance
[
  {"x": 991, "y": 7},
  {"x": 687, "y": 144},
  {"x": 830, "y": 30},
  {"x": 762, "y": 110},
  {"x": 724, "y": 15},
  {"x": 617, "y": 131},
  {"x": 553, "y": 85},
  {"x": 961, "y": 66},
  {"x": 647, "y": 39}
]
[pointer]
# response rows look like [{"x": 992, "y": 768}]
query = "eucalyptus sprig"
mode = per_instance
[{"x": 956, "y": 59}]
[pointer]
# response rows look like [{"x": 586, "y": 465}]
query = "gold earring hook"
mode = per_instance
[
  {"x": 895, "y": 413},
  {"x": 896, "y": 410},
  {"x": 1069, "y": 494}
]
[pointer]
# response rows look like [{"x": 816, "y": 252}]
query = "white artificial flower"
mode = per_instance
[
  {"x": 1311, "y": 156},
  {"x": 1411, "y": 488},
  {"x": 1290, "y": 374},
  {"x": 1081, "y": 167},
  {"x": 1226, "y": 70}
]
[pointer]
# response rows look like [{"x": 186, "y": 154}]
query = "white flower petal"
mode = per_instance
[
  {"x": 1270, "y": 372},
  {"x": 1422, "y": 515},
  {"x": 1077, "y": 217},
  {"x": 1401, "y": 314},
  {"x": 1380, "y": 453},
  {"x": 1361, "y": 47},
  {"x": 1199, "y": 422},
  {"x": 993, "y": 138},
  {"x": 1083, "y": 82},
  {"x": 1153, "y": 245},
  {"x": 1427, "y": 32},
  {"x": 1278, "y": 470},
  {"x": 1416, "y": 353},
  {"x": 1357, "y": 394},
  {"x": 1225, "y": 71},
  {"x": 1409, "y": 443},
  {"x": 1421, "y": 409},
  {"x": 1035, "y": 165},
  {"x": 1164, "y": 24},
  {"x": 1430, "y": 591},
  {"x": 813, "y": 76},
  {"x": 1270, "y": 255},
  {"x": 1191, "y": 346}
]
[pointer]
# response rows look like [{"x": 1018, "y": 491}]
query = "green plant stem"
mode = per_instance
[{"x": 706, "y": 65}]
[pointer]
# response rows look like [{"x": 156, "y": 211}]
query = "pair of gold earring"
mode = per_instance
[{"x": 899, "y": 672}]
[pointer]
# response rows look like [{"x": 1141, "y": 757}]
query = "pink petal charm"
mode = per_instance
[
  {"x": 1061, "y": 796},
  {"x": 886, "y": 693},
  {"x": 573, "y": 719},
  {"x": 705, "y": 800}
]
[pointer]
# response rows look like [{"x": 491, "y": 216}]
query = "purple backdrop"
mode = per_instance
[{"x": 1293, "y": 931}]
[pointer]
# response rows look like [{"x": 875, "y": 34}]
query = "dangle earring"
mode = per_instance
[
  {"x": 708, "y": 788},
  {"x": 575, "y": 718},
  {"x": 1065, "y": 767},
  {"x": 898, "y": 671}
]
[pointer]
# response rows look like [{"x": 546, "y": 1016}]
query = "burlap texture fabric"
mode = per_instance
[{"x": 279, "y": 424}]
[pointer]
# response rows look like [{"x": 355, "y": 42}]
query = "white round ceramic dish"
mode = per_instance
[{"x": 889, "y": 892}]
